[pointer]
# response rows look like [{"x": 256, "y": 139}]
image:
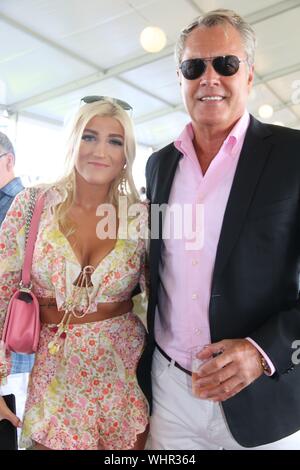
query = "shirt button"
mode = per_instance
[
  {"x": 197, "y": 331},
  {"x": 195, "y": 296},
  {"x": 194, "y": 262}
]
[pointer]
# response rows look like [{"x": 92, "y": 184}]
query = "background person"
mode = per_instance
[
  {"x": 83, "y": 392},
  {"x": 10, "y": 186}
]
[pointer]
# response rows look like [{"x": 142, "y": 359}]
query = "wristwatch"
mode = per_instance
[{"x": 265, "y": 366}]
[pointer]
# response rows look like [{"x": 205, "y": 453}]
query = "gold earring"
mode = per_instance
[{"x": 123, "y": 182}]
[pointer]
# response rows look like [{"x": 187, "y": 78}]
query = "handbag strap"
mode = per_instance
[{"x": 31, "y": 229}]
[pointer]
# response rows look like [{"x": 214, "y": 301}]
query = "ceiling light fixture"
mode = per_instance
[
  {"x": 266, "y": 111},
  {"x": 153, "y": 39}
]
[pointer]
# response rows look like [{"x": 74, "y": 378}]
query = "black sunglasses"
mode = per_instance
[
  {"x": 93, "y": 98},
  {"x": 225, "y": 65}
]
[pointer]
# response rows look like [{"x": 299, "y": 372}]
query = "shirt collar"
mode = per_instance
[
  {"x": 13, "y": 187},
  {"x": 237, "y": 134},
  {"x": 185, "y": 140}
]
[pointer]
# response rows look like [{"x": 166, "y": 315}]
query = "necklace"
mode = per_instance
[{"x": 70, "y": 307}]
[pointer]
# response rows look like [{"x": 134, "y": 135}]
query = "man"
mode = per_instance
[
  {"x": 10, "y": 186},
  {"x": 236, "y": 296}
]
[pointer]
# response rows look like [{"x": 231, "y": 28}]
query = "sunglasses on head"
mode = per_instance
[
  {"x": 225, "y": 65},
  {"x": 94, "y": 98}
]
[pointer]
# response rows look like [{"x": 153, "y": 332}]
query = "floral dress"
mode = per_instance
[{"x": 86, "y": 395}]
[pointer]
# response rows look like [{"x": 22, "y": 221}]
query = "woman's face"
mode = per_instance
[{"x": 101, "y": 156}]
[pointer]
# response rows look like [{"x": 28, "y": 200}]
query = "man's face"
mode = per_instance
[{"x": 230, "y": 92}]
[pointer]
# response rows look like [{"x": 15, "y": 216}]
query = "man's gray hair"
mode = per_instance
[
  {"x": 215, "y": 18},
  {"x": 5, "y": 144}
]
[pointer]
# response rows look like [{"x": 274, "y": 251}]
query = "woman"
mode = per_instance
[{"x": 83, "y": 392}]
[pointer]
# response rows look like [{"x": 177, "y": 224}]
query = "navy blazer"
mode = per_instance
[{"x": 256, "y": 276}]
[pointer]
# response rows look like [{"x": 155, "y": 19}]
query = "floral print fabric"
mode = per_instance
[
  {"x": 86, "y": 396},
  {"x": 64, "y": 399}
]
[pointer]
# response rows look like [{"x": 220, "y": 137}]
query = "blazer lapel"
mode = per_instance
[
  {"x": 254, "y": 155},
  {"x": 168, "y": 162},
  {"x": 161, "y": 187}
]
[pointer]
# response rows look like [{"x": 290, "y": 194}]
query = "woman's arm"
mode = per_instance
[{"x": 12, "y": 238}]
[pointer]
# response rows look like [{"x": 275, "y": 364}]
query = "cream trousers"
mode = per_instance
[{"x": 181, "y": 421}]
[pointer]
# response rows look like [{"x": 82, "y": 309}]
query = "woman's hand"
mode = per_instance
[{"x": 6, "y": 413}]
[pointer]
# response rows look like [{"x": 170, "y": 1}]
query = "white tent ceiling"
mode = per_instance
[{"x": 53, "y": 52}]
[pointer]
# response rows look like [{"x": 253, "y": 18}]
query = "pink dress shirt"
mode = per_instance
[{"x": 182, "y": 318}]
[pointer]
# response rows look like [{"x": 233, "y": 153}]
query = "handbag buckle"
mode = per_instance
[{"x": 24, "y": 288}]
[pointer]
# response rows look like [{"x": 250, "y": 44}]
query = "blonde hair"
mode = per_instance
[
  {"x": 124, "y": 186},
  {"x": 215, "y": 18}
]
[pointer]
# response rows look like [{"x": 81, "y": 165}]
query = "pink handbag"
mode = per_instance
[{"x": 22, "y": 324}]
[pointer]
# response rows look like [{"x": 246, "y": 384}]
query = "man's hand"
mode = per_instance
[{"x": 228, "y": 373}]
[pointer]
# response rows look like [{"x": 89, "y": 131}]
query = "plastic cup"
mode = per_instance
[{"x": 196, "y": 364}]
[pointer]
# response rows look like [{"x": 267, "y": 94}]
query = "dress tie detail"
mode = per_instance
[{"x": 82, "y": 284}]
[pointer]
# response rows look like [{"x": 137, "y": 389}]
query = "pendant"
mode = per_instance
[{"x": 59, "y": 333}]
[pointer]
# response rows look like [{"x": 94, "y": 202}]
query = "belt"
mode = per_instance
[{"x": 163, "y": 353}]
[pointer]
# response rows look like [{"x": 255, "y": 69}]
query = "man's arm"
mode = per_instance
[
  {"x": 225, "y": 375},
  {"x": 241, "y": 362}
]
